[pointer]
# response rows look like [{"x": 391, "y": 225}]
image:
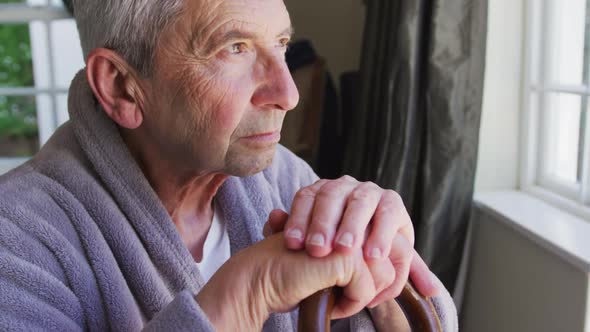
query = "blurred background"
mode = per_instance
[
  {"x": 39, "y": 54},
  {"x": 475, "y": 111}
]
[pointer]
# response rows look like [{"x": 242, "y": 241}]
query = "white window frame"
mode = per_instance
[
  {"x": 574, "y": 199},
  {"x": 15, "y": 13}
]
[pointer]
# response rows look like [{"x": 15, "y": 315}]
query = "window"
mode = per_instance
[
  {"x": 556, "y": 161},
  {"x": 39, "y": 55}
]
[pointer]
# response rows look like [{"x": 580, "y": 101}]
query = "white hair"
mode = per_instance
[{"x": 129, "y": 27}]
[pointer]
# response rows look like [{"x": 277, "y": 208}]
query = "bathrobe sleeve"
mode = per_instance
[
  {"x": 35, "y": 300},
  {"x": 182, "y": 314}
]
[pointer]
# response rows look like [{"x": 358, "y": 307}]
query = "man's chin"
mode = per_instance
[{"x": 250, "y": 165}]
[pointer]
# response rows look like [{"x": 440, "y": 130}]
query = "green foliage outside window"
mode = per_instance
[{"x": 17, "y": 114}]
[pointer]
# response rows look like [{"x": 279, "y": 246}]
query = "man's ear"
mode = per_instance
[{"x": 115, "y": 87}]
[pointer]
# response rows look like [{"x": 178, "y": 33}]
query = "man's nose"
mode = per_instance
[{"x": 277, "y": 89}]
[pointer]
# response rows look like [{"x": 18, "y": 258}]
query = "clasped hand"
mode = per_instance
[{"x": 341, "y": 232}]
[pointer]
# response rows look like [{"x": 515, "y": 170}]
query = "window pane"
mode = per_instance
[
  {"x": 18, "y": 126},
  {"x": 40, "y": 51},
  {"x": 62, "y": 109},
  {"x": 563, "y": 135},
  {"x": 565, "y": 42},
  {"x": 67, "y": 52},
  {"x": 46, "y": 117},
  {"x": 16, "y": 65}
]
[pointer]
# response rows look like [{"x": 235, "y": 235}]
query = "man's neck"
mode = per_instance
[
  {"x": 190, "y": 205},
  {"x": 187, "y": 195}
]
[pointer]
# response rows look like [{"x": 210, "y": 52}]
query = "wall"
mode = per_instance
[
  {"x": 514, "y": 284},
  {"x": 499, "y": 136},
  {"x": 334, "y": 26}
]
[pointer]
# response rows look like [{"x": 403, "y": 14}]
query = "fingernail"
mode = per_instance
[
  {"x": 346, "y": 240},
  {"x": 295, "y": 233},
  {"x": 317, "y": 240},
  {"x": 375, "y": 253}
]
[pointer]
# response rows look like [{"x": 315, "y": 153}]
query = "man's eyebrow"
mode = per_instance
[
  {"x": 232, "y": 35},
  {"x": 290, "y": 31},
  {"x": 240, "y": 34}
]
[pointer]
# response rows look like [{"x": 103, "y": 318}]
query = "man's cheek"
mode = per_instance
[{"x": 232, "y": 105}]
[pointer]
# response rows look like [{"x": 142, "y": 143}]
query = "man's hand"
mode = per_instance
[
  {"x": 267, "y": 278},
  {"x": 344, "y": 215}
]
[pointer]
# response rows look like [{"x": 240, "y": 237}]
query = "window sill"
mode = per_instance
[{"x": 562, "y": 233}]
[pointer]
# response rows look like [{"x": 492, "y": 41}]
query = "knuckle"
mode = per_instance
[
  {"x": 393, "y": 196},
  {"x": 385, "y": 208},
  {"x": 408, "y": 232},
  {"x": 320, "y": 182},
  {"x": 372, "y": 185},
  {"x": 306, "y": 192},
  {"x": 347, "y": 178},
  {"x": 359, "y": 195},
  {"x": 367, "y": 191},
  {"x": 329, "y": 191},
  {"x": 404, "y": 248},
  {"x": 390, "y": 203}
]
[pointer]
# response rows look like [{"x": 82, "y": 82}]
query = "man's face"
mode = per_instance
[{"x": 221, "y": 86}]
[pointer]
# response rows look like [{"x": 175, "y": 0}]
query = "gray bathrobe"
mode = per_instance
[{"x": 85, "y": 243}]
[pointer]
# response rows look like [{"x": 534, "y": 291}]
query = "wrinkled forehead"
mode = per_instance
[{"x": 207, "y": 18}]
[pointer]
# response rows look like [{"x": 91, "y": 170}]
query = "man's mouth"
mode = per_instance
[
  {"x": 265, "y": 136},
  {"x": 270, "y": 136}
]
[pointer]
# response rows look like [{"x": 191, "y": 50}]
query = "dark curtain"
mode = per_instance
[
  {"x": 69, "y": 6},
  {"x": 417, "y": 125}
]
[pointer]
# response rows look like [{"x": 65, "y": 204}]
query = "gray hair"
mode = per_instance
[{"x": 129, "y": 27}]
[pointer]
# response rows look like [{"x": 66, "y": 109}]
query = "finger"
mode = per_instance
[
  {"x": 301, "y": 210},
  {"x": 277, "y": 220},
  {"x": 360, "y": 207},
  {"x": 327, "y": 213},
  {"x": 425, "y": 281},
  {"x": 401, "y": 256},
  {"x": 389, "y": 219},
  {"x": 383, "y": 274},
  {"x": 356, "y": 294}
]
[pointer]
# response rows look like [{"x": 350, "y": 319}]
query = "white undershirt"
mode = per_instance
[{"x": 216, "y": 249}]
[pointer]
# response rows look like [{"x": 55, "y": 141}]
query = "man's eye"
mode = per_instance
[
  {"x": 238, "y": 48},
  {"x": 284, "y": 42}
]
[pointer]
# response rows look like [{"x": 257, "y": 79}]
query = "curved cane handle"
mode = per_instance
[{"x": 314, "y": 312}]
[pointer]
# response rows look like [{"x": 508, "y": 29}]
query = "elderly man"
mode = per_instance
[{"x": 146, "y": 210}]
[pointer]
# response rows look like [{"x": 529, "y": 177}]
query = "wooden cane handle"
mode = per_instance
[{"x": 314, "y": 312}]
